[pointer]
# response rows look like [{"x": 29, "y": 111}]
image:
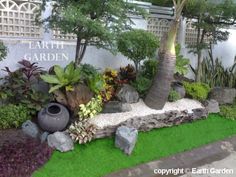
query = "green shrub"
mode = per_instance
[
  {"x": 174, "y": 96},
  {"x": 197, "y": 90},
  {"x": 12, "y": 116},
  {"x": 137, "y": 45},
  {"x": 182, "y": 64},
  {"x": 141, "y": 84},
  {"x": 228, "y": 111},
  {"x": 149, "y": 68},
  {"x": 96, "y": 83},
  {"x": 87, "y": 71}
]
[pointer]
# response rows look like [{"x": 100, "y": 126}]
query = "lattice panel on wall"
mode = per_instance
[
  {"x": 191, "y": 34},
  {"x": 158, "y": 26},
  {"x": 57, "y": 35},
  {"x": 17, "y": 19}
]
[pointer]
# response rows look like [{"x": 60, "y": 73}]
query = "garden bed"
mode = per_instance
[
  {"x": 101, "y": 157},
  {"x": 144, "y": 119}
]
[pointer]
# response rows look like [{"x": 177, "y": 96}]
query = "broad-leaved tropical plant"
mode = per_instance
[{"x": 63, "y": 77}]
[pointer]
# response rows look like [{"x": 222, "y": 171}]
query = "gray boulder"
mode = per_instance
[
  {"x": 30, "y": 129},
  {"x": 126, "y": 139},
  {"x": 199, "y": 113},
  {"x": 223, "y": 95},
  {"x": 125, "y": 107},
  {"x": 179, "y": 88},
  {"x": 127, "y": 94},
  {"x": 212, "y": 106},
  {"x": 44, "y": 136},
  {"x": 61, "y": 141},
  {"x": 116, "y": 107}
]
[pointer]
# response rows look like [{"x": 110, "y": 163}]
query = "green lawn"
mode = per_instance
[{"x": 100, "y": 157}]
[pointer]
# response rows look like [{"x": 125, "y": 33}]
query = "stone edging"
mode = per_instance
[{"x": 149, "y": 122}]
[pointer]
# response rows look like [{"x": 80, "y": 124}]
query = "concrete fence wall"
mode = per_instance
[{"x": 48, "y": 51}]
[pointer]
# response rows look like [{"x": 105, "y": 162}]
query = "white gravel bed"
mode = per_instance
[{"x": 140, "y": 109}]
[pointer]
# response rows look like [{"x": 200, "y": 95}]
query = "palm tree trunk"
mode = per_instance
[{"x": 159, "y": 91}]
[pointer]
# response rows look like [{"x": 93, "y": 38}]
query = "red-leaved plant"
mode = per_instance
[{"x": 23, "y": 158}]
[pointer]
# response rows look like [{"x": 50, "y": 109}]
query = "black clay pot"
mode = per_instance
[{"x": 54, "y": 117}]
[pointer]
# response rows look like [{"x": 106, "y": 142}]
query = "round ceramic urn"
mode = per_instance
[{"x": 54, "y": 117}]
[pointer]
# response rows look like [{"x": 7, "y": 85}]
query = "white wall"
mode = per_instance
[
  {"x": 99, "y": 57},
  {"x": 226, "y": 51},
  {"x": 18, "y": 50},
  {"x": 22, "y": 49}
]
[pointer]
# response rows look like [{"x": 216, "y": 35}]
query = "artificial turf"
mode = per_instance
[{"x": 100, "y": 157}]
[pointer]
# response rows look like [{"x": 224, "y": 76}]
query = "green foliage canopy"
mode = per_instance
[
  {"x": 95, "y": 23},
  {"x": 138, "y": 45},
  {"x": 210, "y": 18}
]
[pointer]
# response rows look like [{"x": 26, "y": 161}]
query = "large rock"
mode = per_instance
[
  {"x": 116, "y": 107},
  {"x": 127, "y": 94},
  {"x": 81, "y": 94},
  {"x": 179, "y": 88},
  {"x": 44, "y": 136},
  {"x": 223, "y": 95},
  {"x": 61, "y": 141},
  {"x": 126, "y": 139},
  {"x": 30, "y": 129},
  {"x": 212, "y": 106}
]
